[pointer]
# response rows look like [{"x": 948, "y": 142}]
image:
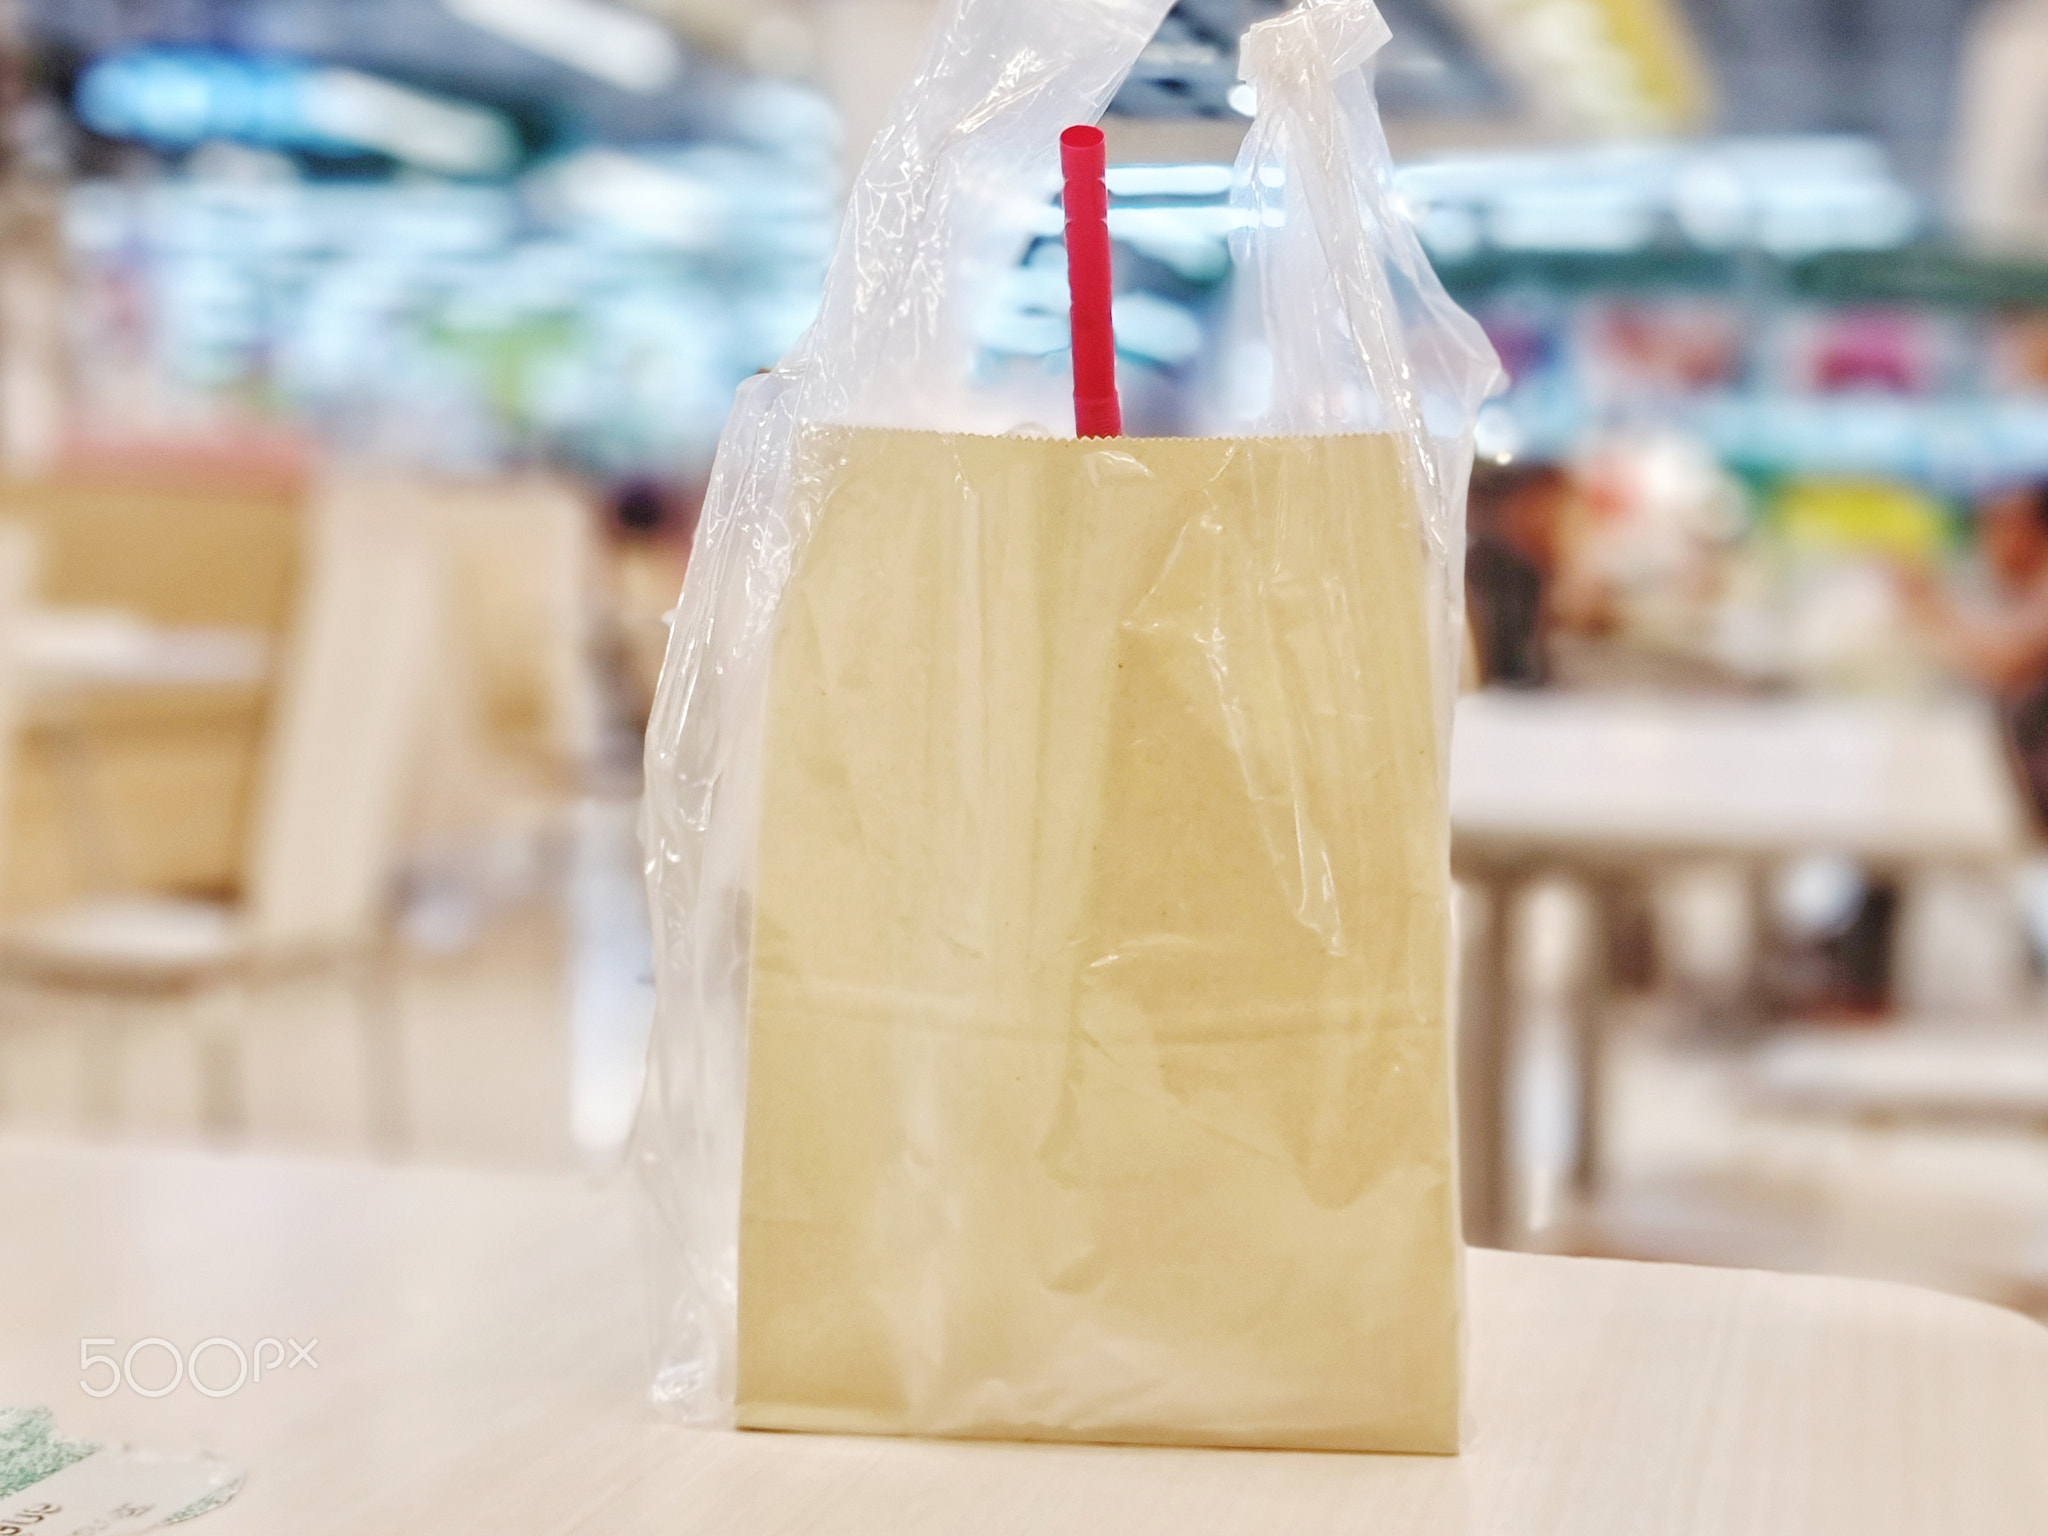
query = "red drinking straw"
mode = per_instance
[{"x": 1086, "y": 198}]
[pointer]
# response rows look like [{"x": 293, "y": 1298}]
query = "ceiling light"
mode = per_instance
[
  {"x": 617, "y": 46},
  {"x": 1169, "y": 180},
  {"x": 426, "y": 131},
  {"x": 186, "y": 97}
]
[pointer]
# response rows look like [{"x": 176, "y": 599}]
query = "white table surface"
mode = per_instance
[
  {"x": 481, "y": 1369},
  {"x": 67, "y": 649},
  {"x": 1624, "y": 773},
  {"x": 1974, "y": 1073}
]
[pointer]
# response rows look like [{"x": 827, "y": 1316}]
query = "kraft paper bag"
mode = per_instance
[{"x": 1099, "y": 1079}]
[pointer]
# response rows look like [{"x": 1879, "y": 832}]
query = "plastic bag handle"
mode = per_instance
[
  {"x": 1292, "y": 62},
  {"x": 949, "y": 188}
]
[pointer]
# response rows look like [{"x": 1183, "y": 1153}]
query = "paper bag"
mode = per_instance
[{"x": 1099, "y": 1077}]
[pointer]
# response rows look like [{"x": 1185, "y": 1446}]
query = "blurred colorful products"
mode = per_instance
[{"x": 1883, "y": 517}]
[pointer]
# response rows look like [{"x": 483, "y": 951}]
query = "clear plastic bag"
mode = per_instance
[{"x": 1339, "y": 330}]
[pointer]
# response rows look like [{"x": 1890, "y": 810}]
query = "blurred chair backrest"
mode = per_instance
[
  {"x": 513, "y": 713},
  {"x": 517, "y": 558},
  {"x": 166, "y": 548},
  {"x": 345, "y": 726},
  {"x": 17, "y": 581}
]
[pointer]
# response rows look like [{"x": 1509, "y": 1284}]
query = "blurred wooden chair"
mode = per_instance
[
  {"x": 338, "y": 750},
  {"x": 515, "y": 563},
  {"x": 518, "y": 559},
  {"x": 512, "y": 729},
  {"x": 170, "y": 541}
]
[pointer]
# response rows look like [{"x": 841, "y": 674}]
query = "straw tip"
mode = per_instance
[{"x": 1081, "y": 136}]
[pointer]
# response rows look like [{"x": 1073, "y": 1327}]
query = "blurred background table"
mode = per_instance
[
  {"x": 1580, "y": 776},
  {"x": 481, "y": 1367},
  {"x": 1609, "y": 787},
  {"x": 144, "y": 734}
]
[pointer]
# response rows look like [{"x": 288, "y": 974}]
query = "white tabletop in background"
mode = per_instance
[
  {"x": 1618, "y": 773},
  {"x": 481, "y": 1369},
  {"x": 64, "y": 650}
]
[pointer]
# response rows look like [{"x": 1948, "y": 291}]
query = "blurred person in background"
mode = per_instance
[
  {"x": 2003, "y": 646},
  {"x": 650, "y": 525},
  {"x": 1520, "y": 581},
  {"x": 1510, "y": 560}
]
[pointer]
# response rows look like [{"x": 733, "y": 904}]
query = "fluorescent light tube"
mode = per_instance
[{"x": 621, "y": 47}]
